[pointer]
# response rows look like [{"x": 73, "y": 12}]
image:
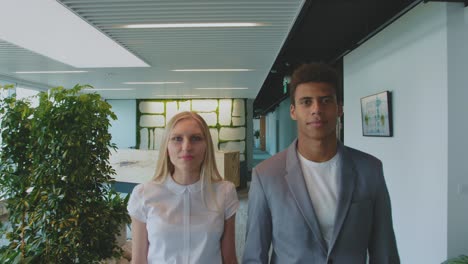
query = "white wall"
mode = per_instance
[
  {"x": 123, "y": 130},
  {"x": 457, "y": 128},
  {"x": 256, "y": 124},
  {"x": 408, "y": 58}
]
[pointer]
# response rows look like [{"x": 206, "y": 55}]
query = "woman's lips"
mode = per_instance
[{"x": 187, "y": 157}]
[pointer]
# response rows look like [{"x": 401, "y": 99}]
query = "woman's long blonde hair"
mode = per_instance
[{"x": 208, "y": 171}]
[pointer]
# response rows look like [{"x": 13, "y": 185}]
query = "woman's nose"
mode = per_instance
[{"x": 186, "y": 145}]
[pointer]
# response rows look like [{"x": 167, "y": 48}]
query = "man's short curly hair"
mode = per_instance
[{"x": 314, "y": 72}]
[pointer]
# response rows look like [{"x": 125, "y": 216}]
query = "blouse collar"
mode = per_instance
[{"x": 179, "y": 188}]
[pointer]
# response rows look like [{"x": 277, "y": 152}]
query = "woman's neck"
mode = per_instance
[{"x": 186, "y": 177}]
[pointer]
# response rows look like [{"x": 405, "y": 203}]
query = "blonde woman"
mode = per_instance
[{"x": 186, "y": 214}]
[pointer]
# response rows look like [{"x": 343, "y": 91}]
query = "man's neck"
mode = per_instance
[{"x": 317, "y": 150}]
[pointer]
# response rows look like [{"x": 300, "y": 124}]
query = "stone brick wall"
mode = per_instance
[{"x": 225, "y": 117}]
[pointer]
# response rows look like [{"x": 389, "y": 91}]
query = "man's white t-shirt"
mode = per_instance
[
  {"x": 321, "y": 179},
  {"x": 181, "y": 229}
]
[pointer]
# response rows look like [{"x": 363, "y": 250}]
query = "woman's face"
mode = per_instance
[{"x": 187, "y": 146}]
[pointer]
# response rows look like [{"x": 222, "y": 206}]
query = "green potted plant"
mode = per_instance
[
  {"x": 56, "y": 177},
  {"x": 462, "y": 259},
  {"x": 257, "y": 138}
]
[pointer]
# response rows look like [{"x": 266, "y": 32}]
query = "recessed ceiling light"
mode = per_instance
[
  {"x": 52, "y": 30},
  {"x": 47, "y": 72},
  {"x": 224, "y": 88},
  {"x": 212, "y": 70},
  {"x": 192, "y": 25},
  {"x": 152, "y": 82}
]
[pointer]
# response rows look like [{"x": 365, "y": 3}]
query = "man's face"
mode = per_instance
[{"x": 316, "y": 110}]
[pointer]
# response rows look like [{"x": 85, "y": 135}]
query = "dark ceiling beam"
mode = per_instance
[
  {"x": 324, "y": 32},
  {"x": 380, "y": 28},
  {"x": 450, "y": 1}
]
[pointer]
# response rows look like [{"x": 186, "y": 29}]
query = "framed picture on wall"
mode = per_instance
[{"x": 376, "y": 115}]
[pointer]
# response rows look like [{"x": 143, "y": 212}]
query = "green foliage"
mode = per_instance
[
  {"x": 256, "y": 133},
  {"x": 56, "y": 177},
  {"x": 462, "y": 259}
]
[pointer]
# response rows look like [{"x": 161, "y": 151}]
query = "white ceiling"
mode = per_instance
[{"x": 167, "y": 49}]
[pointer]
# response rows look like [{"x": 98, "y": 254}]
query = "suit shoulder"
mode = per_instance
[
  {"x": 362, "y": 157},
  {"x": 277, "y": 163}
]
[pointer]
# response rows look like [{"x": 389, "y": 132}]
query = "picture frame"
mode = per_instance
[{"x": 376, "y": 115}]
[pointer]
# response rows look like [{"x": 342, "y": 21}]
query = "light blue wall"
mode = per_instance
[
  {"x": 287, "y": 126},
  {"x": 271, "y": 133},
  {"x": 422, "y": 59},
  {"x": 123, "y": 130},
  {"x": 281, "y": 129},
  {"x": 457, "y": 16}
]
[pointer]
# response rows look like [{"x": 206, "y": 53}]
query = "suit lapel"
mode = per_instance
[
  {"x": 346, "y": 184},
  {"x": 298, "y": 189}
]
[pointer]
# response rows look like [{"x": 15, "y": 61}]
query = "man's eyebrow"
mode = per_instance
[{"x": 318, "y": 97}]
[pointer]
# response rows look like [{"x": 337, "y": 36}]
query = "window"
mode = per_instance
[
  {"x": 27, "y": 93},
  {"x": 21, "y": 93}
]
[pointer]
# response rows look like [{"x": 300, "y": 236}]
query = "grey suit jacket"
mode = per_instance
[{"x": 280, "y": 213}]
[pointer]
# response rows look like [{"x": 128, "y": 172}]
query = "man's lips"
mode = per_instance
[{"x": 316, "y": 123}]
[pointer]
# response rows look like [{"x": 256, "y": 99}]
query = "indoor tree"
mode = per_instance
[{"x": 56, "y": 177}]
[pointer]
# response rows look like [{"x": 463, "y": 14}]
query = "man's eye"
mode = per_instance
[
  {"x": 327, "y": 100},
  {"x": 306, "y": 102}
]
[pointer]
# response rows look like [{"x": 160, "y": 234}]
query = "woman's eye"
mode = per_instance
[
  {"x": 196, "y": 138},
  {"x": 177, "y": 139}
]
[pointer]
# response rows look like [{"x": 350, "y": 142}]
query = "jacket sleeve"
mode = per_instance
[
  {"x": 382, "y": 244},
  {"x": 258, "y": 233}
]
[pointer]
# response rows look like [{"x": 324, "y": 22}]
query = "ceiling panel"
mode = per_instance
[{"x": 168, "y": 49}]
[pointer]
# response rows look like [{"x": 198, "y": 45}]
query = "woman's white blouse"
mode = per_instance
[{"x": 181, "y": 229}]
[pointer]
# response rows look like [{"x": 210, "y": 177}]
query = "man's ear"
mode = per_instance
[
  {"x": 292, "y": 111},
  {"x": 340, "y": 109}
]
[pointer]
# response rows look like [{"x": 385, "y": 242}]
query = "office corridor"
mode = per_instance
[{"x": 241, "y": 215}]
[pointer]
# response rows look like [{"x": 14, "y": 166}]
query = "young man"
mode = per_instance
[{"x": 319, "y": 201}]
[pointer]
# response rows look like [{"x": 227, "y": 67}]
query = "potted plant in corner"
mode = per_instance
[
  {"x": 56, "y": 177},
  {"x": 257, "y": 138},
  {"x": 462, "y": 259}
]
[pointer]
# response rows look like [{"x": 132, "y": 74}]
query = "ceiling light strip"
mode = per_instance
[
  {"x": 212, "y": 70},
  {"x": 47, "y": 72},
  {"x": 224, "y": 88},
  {"x": 109, "y": 89},
  {"x": 152, "y": 82},
  {"x": 192, "y": 25}
]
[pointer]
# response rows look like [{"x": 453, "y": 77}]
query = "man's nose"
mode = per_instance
[{"x": 316, "y": 107}]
